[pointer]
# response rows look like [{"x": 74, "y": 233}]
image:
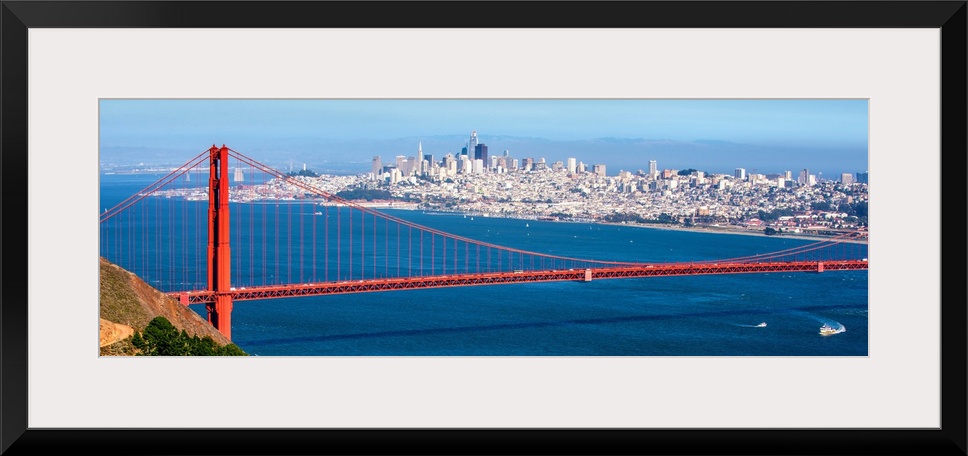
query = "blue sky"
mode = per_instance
[{"x": 715, "y": 134}]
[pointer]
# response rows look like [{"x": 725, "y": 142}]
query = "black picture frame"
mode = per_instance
[{"x": 18, "y": 16}]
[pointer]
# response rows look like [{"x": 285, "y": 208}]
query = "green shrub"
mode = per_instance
[{"x": 161, "y": 338}]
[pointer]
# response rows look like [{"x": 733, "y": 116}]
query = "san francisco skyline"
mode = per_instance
[{"x": 342, "y": 136}]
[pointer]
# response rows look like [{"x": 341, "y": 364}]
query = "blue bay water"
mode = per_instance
[{"x": 664, "y": 316}]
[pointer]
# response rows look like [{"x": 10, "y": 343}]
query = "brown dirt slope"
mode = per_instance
[
  {"x": 112, "y": 332},
  {"x": 127, "y": 300}
]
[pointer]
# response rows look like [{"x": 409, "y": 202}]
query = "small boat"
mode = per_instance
[
  {"x": 761, "y": 325},
  {"x": 526, "y": 225},
  {"x": 826, "y": 330}
]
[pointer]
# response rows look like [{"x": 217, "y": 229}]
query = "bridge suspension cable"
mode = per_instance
[
  {"x": 160, "y": 233},
  {"x": 434, "y": 232},
  {"x": 157, "y": 185}
]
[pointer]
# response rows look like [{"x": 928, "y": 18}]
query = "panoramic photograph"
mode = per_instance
[{"x": 483, "y": 227}]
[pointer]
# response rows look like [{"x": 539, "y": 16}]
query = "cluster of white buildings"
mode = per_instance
[{"x": 570, "y": 189}]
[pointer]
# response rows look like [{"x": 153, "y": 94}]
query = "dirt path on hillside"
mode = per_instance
[{"x": 112, "y": 332}]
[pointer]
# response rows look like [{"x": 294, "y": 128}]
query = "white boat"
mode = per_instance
[
  {"x": 826, "y": 330},
  {"x": 761, "y": 325}
]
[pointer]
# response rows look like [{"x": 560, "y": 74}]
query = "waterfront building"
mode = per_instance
[
  {"x": 599, "y": 169},
  {"x": 862, "y": 177},
  {"x": 238, "y": 177},
  {"x": 653, "y": 169},
  {"x": 572, "y": 165},
  {"x": 740, "y": 173}
]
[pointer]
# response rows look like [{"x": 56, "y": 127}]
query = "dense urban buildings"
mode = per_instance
[{"x": 534, "y": 187}]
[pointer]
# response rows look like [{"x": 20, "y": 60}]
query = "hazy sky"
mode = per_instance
[{"x": 768, "y": 134}]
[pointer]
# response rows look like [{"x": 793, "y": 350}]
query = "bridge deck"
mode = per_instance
[{"x": 409, "y": 283}]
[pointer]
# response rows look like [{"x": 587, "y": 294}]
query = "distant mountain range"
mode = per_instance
[{"x": 354, "y": 156}]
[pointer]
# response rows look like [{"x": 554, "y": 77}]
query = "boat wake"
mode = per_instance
[
  {"x": 831, "y": 329},
  {"x": 828, "y": 327},
  {"x": 760, "y": 325}
]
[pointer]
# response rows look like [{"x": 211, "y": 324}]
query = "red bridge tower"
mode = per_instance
[{"x": 219, "y": 253}]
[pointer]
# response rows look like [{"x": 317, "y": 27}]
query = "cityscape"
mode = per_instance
[
  {"x": 570, "y": 189},
  {"x": 500, "y": 185}
]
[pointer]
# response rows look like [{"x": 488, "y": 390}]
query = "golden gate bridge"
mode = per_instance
[{"x": 286, "y": 237}]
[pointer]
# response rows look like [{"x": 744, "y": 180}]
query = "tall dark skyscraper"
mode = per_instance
[{"x": 480, "y": 152}]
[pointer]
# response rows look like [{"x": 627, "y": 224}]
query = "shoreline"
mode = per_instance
[
  {"x": 694, "y": 229},
  {"x": 735, "y": 231}
]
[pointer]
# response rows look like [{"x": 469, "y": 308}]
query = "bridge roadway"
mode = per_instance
[{"x": 491, "y": 278}]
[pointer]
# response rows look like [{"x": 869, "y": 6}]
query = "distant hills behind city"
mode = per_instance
[{"x": 332, "y": 156}]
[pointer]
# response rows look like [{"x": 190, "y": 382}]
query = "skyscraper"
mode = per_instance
[
  {"x": 472, "y": 143},
  {"x": 480, "y": 152},
  {"x": 599, "y": 169},
  {"x": 740, "y": 173},
  {"x": 377, "y": 166},
  {"x": 572, "y": 165},
  {"x": 653, "y": 168}
]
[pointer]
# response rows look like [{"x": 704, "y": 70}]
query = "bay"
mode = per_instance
[{"x": 716, "y": 315}]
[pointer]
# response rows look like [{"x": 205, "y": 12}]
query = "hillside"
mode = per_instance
[{"x": 128, "y": 304}]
